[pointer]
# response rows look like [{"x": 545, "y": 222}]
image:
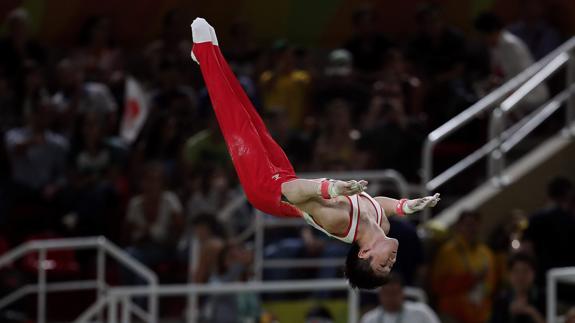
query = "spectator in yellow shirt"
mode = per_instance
[
  {"x": 285, "y": 88},
  {"x": 463, "y": 274}
]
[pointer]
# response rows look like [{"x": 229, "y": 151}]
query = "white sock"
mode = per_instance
[
  {"x": 214, "y": 37},
  {"x": 201, "y": 31}
]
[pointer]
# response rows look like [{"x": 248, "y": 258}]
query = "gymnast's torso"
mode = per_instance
[{"x": 341, "y": 217}]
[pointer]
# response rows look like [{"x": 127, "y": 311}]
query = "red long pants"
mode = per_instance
[{"x": 260, "y": 163}]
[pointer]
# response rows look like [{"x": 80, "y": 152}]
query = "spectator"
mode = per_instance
[
  {"x": 298, "y": 145},
  {"x": 410, "y": 261},
  {"x": 75, "y": 96},
  {"x": 439, "y": 54},
  {"x": 94, "y": 162},
  {"x": 308, "y": 244},
  {"x": 18, "y": 47},
  {"x": 173, "y": 44},
  {"x": 341, "y": 80},
  {"x": 154, "y": 220},
  {"x": 163, "y": 143},
  {"x": 211, "y": 192},
  {"x": 319, "y": 314},
  {"x": 233, "y": 265},
  {"x": 97, "y": 56},
  {"x": 336, "y": 145},
  {"x": 551, "y": 229},
  {"x": 397, "y": 85},
  {"x": 367, "y": 44},
  {"x": 521, "y": 303},
  {"x": 35, "y": 87},
  {"x": 10, "y": 112},
  {"x": 242, "y": 51},
  {"x": 394, "y": 308},
  {"x": 384, "y": 120},
  {"x": 437, "y": 50},
  {"x": 284, "y": 87},
  {"x": 37, "y": 159},
  {"x": 207, "y": 147},
  {"x": 212, "y": 238},
  {"x": 509, "y": 55},
  {"x": 463, "y": 273},
  {"x": 505, "y": 239},
  {"x": 539, "y": 36},
  {"x": 174, "y": 98}
]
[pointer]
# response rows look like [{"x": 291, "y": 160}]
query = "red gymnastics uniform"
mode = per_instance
[{"x": 261, "y": 164}]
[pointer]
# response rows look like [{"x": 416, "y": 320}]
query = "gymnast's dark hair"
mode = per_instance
[{"x": 359, "y": 272}]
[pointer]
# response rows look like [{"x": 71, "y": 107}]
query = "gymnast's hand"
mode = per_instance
[
  {"x": 419, "y": 204},
  {"x": 348, "y": 188}
]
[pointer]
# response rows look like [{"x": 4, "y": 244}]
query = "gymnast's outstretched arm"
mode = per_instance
[
  {"x": 301, "y": 190},
  {"x": 404, "y": 206}
]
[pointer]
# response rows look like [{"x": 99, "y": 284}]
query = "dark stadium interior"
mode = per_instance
[{"x": 342, "y": 86}]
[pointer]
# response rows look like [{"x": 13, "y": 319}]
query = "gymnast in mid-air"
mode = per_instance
[{"x": 340, "y": 209}]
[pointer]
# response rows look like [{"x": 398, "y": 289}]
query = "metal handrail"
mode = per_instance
[
  {"x": 123, "y": 295},
  {"x": 100, "y": 243},
  {"x": 303, "y": 263},
  {"x": 512, "y": 137},
  {"x": 534, "y": 120},
  {"x": 527, "y": 80},
  {"x": 541, "y": 76},
  {"x": 499, "y": 115}
]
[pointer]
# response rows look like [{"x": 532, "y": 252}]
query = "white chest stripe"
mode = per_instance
[
  {"x": 350, "y": 236},
  {"x": 378, "y": 209}
]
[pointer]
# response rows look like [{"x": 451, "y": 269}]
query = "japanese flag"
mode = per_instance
[{"x": 136, "y": 110}]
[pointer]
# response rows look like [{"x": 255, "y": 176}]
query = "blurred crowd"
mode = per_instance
[{"x": 66, "y": 171}]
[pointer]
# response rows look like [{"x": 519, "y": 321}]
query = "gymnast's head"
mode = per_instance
[{"x": 367, "y": 266}]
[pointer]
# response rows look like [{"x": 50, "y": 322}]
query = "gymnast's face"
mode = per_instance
[{"x": 383, "y": 253}]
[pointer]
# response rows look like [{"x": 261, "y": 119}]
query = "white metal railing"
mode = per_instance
[
  {"x": 555, "y": 276},
  {"x": 103, "y": 247},
  {"x": 501, "y": 139},
  {"x": 499, "y": 115},
  {"x": 120, "y": 305}
]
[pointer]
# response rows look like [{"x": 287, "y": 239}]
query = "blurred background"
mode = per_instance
[{"x": 107, "y": 131}]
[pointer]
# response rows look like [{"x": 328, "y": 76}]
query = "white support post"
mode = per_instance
[
  {"x": 153, "y": 304},
  {"x": 192, "y": 302},
  {"x": 551, "y": 298},
  {"x": 259, "y": 246},
  {"x": 426, "y": 174},
  {"x": 112, "y": 310},
  {"x": 352, "y": 306},
  {"x": 41, "y": 315},
  {"x": 126, "y": 309},
  {"x": 193, "y": 308},
  {"x": 496, "y": 159},
  {"x": 570, "y": 108},
  {"x": 100, "y": 276}
]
